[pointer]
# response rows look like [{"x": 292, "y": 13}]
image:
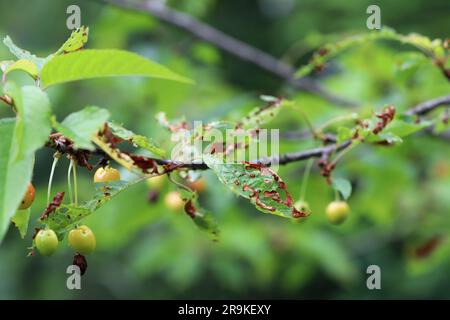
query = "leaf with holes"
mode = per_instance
[
  {"x": 201, "y": 218},
  {"x": 76, "y": 41},
  {"x": 262, "y": 115},
  {"x": 262, "y": 186},
  {"x": 138, "y": 140},
  {"x": 66, "y": 215}
]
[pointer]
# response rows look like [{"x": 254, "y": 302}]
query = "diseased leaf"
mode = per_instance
[
  {"x": 435, "y": 48},
  {"x": 94, "y": 63},
  {"x": 139, "y": 140},
  {"x": 262, "y": 186},
  {"x": 20, "y": 220},
  {"x": 76, "y": 41},
  {"x": 262, "y": 115},
  {"x": 14, "y": 174},
  {"x": 66, "y": 215},
  {"x": 81, "y": 126},
  {"x": 173, "y": 126},
  {"x": 201, "y": 218},
  {"x": 33, "y": 123},
  {"x": 343, "y": 186},
  {"x": 106, "y": 141},
  {"x": 52, "y": 206}
]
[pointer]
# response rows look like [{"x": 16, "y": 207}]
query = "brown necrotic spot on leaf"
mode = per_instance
[
  {"x": 147, "y": 165},
  {"x": 52, "y": 206}
]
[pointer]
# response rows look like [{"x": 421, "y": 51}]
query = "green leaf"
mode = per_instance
[
  {"x": 14, "y": 174},
  {"x": 262, "y": 186},
  {"x": 23, "y": 54},
  {"x": 67, "y": 215},
  {"x": 33, "y": 117},
  {"x": 20, "y": 220},
  {"x": 76, "y": 41},
  {"x": 89, "y": 64},
  {"x": 402, "y": 128},
  {"x": 262, "y": 115},
  {"x": 390, "y": 138},
  {"x": 441, "y": 126},
  {"x": 23, "y": 65},
  {"x": 343, "y": 186},
  {"x": 82, "y": 125},
  {"x": 140, "y": 141},
  {"x": 343, "y": 134}
]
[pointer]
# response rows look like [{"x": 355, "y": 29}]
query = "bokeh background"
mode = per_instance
[{"x": 401, "y": 199}]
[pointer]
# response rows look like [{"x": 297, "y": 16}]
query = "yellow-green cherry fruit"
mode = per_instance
[
  {"x": 337, "y": 211},
  {"x": 156, "y": 182},
  {"x": 28, "y": 198},
  {"x": 106, "y": 174},
  {"x": 82, "y": 240},
  {"x": 173, "y": 200},
  {"x": 46, "y": 242}
]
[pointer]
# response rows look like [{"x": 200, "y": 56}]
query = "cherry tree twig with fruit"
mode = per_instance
[{"x": 88, "y": 133}]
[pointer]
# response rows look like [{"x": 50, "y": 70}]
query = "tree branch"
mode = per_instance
[
  {"x": 428, "y": 106},
  {"x": 231, "y": 45}
]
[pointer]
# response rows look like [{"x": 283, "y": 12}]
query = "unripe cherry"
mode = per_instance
[
  {"x": 46, "y": 242},
  {"x": 173, "y": 200},
  {"x": 106, "y": 174},
  {"x": 337, "y": 211}
]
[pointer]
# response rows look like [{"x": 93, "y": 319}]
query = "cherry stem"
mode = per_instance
[
  {"x": 342, "y": 153},
  {"x": 75, "y": 182},
  {"x": 305, "y": 178},
  {"x": 69, "y": 182},
  {"x": 50, "y": 179},
  {"x": 337, "y": 196},
  {"x": 180, "y": 185}
]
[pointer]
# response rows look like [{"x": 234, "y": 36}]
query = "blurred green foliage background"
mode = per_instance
[{"x": 401, "y": 196}]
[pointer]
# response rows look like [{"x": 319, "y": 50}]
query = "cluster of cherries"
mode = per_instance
[
  {"x": 82, "y": 239},
  {"x": 336, "y": 211}
]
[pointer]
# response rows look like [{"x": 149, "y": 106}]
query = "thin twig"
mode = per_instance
[
  {"x": 428, "y": 106},
  {"x": 232, "y": 45}
]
